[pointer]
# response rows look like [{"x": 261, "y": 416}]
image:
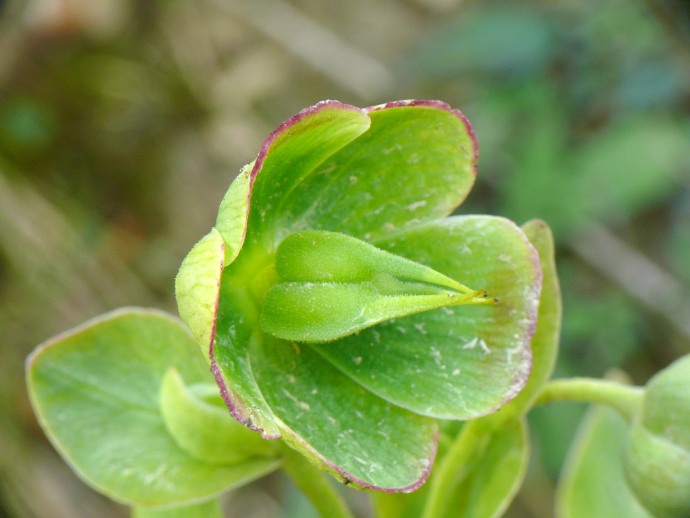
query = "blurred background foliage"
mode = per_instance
[{"x": 122, "y": 122}]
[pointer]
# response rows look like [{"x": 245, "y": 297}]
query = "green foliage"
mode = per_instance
[
  {"x": 593, "y": 480},
  {"x": 491, "y": 476},
  {"x": 209, "y": 509},
  {"x": 96, "y": 391}
]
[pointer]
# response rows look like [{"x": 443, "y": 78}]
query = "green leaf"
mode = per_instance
[
  {"x": 96, "y": 389},
  {"x": 460, "y": 362},
  {"x": 492, "y": 477},
  {"x": 593, "y": 482},
  {"x": 209, "y": 509},
  {"x": 332, "y": 285},
  {"x": 480, "y": 473}
]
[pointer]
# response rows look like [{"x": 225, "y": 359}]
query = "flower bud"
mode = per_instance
[{"x": 658, "y": 451}]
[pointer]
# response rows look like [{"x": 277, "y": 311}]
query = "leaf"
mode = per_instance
[
  {"x": 593, "y": 483},
  {"x": 95, "y": 390},
  {"x": 489, "y": 482},
  {"x": 460, "y": 362}
]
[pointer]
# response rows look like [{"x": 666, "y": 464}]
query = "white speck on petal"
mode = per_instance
[
  {"x": 484, "y": 347},
  {"x": 471, "y": 344},
  {"x": 301, "y": 404},
  {"x": 416, "y": 205},
  {"x": 438, "y": 359}
]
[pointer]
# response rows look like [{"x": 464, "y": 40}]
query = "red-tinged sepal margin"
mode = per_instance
[{"x": 373, "y": 186}]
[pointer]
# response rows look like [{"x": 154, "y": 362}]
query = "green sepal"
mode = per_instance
[
  {"x": 544, "y": 344},
  {"x": 339, "y": 426},
  {"x": 454, "y": 362},
  {"x": 200, "y": 423},
  {"x": 197, "y": 287},
  {"x": 231, "y": 222}
]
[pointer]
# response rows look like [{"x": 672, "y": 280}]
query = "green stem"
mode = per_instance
[
  {"x": 388, "y": 505},
  {"x": 328, "y": 502},
  {"x": 210, "y": 509},
  {"x": 622, "y": 398},
  {"x": 470, "y": 442}
]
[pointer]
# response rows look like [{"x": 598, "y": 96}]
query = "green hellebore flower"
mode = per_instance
[
  {"x": 340, "y": 306},
  {"x": 657, "y": 454}
]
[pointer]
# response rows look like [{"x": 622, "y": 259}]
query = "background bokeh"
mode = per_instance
[{"x": 122, "y": 122}]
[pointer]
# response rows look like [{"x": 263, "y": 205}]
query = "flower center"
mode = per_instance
[{"x": 331, "y": 285}]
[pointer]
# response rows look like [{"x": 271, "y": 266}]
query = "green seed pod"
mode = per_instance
[
  {"x": 333, "y": 285},
  {"x": 657, "y": 455}
]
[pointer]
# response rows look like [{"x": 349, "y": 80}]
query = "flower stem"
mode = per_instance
[
  {"x": 315, "y": 486},
  {"x": 470, "y": 442},
  {"x": 622, "y": 398}
]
